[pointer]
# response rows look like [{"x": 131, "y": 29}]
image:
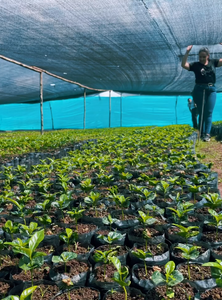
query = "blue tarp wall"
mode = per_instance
[{"x": 125, "y": 111}]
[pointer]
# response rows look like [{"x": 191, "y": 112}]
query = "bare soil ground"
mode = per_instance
[{"x": 213, "y": 153}]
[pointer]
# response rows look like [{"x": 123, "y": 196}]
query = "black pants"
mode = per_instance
[{"x": 194, "y": 117}]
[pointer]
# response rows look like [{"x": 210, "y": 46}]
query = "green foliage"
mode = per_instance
[{"x": 171, "y": 278}]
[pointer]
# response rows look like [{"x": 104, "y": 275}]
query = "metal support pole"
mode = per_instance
[
  {"x": 176, "y": 108},
  {"x": 84, "y": 114},
  {"x": 41, "y": 101},
  {"x": 109, "y": 108},
  {"x": 201, "y": 117},
  {"x": 121, "y": 110},
  {"x": 51, "y": 115}
]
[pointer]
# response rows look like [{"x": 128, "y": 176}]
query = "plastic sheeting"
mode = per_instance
[
  {"x": 128, "y": 46},
  {"x": 125, "y": 111}
]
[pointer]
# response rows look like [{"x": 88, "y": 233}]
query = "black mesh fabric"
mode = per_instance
[{"x": 132, "y": 46}]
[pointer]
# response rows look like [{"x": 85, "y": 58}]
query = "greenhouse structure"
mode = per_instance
[
  {"x": 108, "y": 189},
  {"x": 66, "y": 53}
]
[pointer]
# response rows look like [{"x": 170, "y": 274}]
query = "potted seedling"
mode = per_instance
[
  {"x": 76, "y": 213},
  {"x": 64, "y": 258},
  {"x": 142, "y": 255},
  {"x": 109, "y": 221},
  {"x": 187, "y": 232},
  {"x": 217, "y": 220},
  {"x": 181, "y": 212},
  {"x": 112, "y": 237},
  {"x": 92, "y": 200},
  {"x": 26, "y": 294},
  {"x": 11, "y": 228},
  {"x": 104, "y": 257},
  {"x": 69, "y": 237},
  {"x": 122, "y": 274},
  {"x": 188, "y": 252},
  {"x": 171, "y": 278},
  {"x": 214, "y": 200},
  {"x": 216, "y": 270},
  {"x": 31, "y": 259}
]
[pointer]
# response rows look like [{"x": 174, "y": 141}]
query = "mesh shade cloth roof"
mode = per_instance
[{"x": 132, "y": 46}]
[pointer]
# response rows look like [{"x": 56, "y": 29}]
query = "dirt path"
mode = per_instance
[{"x": 213, "y": 152}]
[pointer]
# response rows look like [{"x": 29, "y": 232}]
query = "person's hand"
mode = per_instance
[{"x": 189, "y": 48}]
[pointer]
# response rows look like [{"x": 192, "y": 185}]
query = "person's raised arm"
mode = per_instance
[{"x": 184, "y": 63}]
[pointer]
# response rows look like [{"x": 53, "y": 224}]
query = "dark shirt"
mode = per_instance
[{"x": 205, "y": 74}]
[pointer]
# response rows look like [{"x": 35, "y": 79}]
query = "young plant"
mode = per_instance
[
  {"x": 216, "y": 270},
  {"x": 122, "y": 203},
  {"x": 104, "y": 257},
  {"x": 30, "y": 259},
  {"x": 93, "y": 200},
  {"x": 217, "y": 220},
  {"x": 122, "y": 274},
  {"x": 188, "y": 252},
  {"x": 171, "y": 278},
  {"x": 69, "y": 237},
  {"x": 181, "y": 213},
  {"x": 63, "y": 202},
  {"x": 163, "y": 188},
  {"x": 213, "y": 200},
  {"x": 187, "y": 232},
  {"x": 11, "y": 228},
  {"x": 146, "y": 219},
  {"x": 29, "y": 230},
  {"x": 108, "y": 221},
  {"x": 64, "y": 258},
  {"x": 26, "y": 294},
  {"x": 111, "y": 238},
  {"x": 142, "y": 255},
  {"x": 87, "y": 185},
  {"x": 44, "y": 220},
  {"x": 76, "y": 213}
]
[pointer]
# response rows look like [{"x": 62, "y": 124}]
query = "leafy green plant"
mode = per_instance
[
  {"x": 122, "y": 274},
  {"x": 108, "y": 220},
  {"x": 28, "y": 230},
  {"x": 104, "y": 256},
  {"x": 30, "y": 258},
  {"x": 181, "y": 213},
  {"x": 64, "y": 258},
  {"x": 76, "y": 213},
  {"x": 213, "y": 200},
  {"x": 187, "y": 232},
  {"x": 86, "y": 185},
  {"x": 122, "y": 203},
  {"x": 111, "y": 238},
  {"x": 142, "y": 255},
  {"x": 146, "y": 219},
  {"x": 44, "y": 220},
  {"x": 11, "y": 228},
  {"x": 63, "y": 202},
  {"x": 188, "y": 252},
  {"x": 216, "y": 270},
  {"x": 93, "y": 200},
  {"x": 163, "y": 188},
  {"x": 171, "y": 278},
  {"x": 69, "y": 237},
  {"x": 217, "y": 220},
  {"x": 24, "y": 295}
]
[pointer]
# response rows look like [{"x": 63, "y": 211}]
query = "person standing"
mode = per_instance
[
  {"x": 193, "y": 109},
  {"x": 204, "y": 92}
]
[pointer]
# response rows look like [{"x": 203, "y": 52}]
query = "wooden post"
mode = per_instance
[
  {"x": 84, "y": 116},
  {"x": 41, "y": 101},
  {"x": 109, "y": 108}
]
